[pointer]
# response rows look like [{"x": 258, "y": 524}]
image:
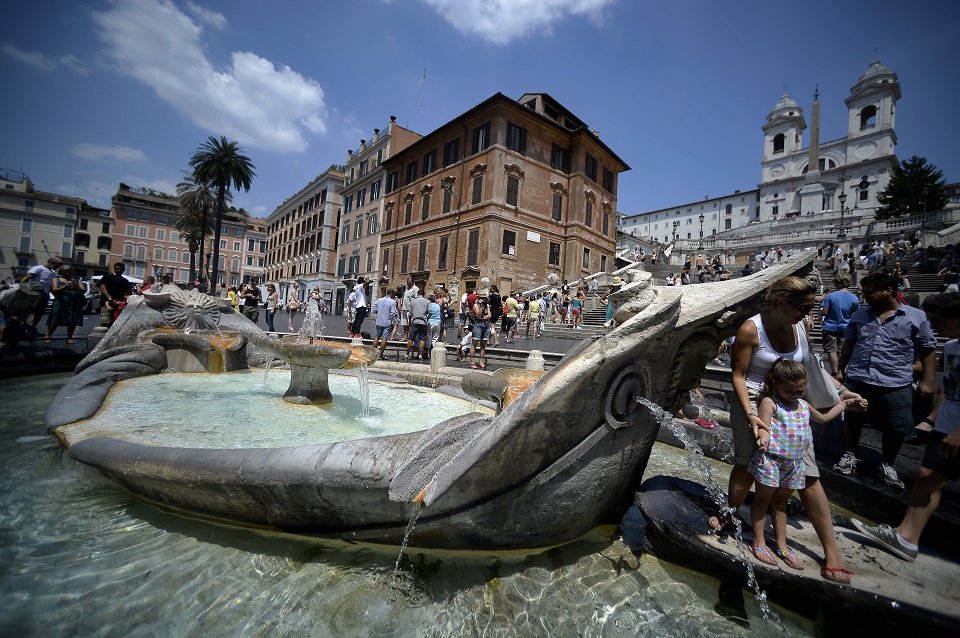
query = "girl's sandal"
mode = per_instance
[
  {"x": 763, "y": 555},
  {"x": 790, "y": 559}
]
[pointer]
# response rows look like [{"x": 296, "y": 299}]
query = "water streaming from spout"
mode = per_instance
[
  {"x": 418, "y": 507},
  {"x": 697, "y": 462},
  {"x": 363, "y": 379},
  {"x": 266, "y": 368},
  {"x": 312, "y": 328},
  {"x": 724, "y": 438}
]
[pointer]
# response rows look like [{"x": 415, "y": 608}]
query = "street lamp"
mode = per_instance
[
  {"x": 926, "y": 191},
  {"x": 447, "y": 185},
  {"x": 700, "y": 245},
  {"x": 843, "y": 209},
  {"x": 676, "y": 224}
]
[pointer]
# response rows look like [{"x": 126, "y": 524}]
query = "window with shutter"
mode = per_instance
[
  {"x": 513, "y": 191},
  {"x": 477, "y": 195},
  {"x": 557, "y": 206},
  {"x": 442, "y": 253},
  {"x": 425, "y": 209},
  {"x": 473, "y": 245}
]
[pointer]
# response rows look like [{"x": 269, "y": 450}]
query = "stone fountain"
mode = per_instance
[{"x": 562, "y": 457}]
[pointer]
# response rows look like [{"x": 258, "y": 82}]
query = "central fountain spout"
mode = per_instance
[{"x": 310, "y": 364}]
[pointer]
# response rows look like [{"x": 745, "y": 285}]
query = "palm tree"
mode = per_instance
[
  {"x": 189, "y": 227},
  {"x": 220, "y": 163},
  {"x": 196, "y": 200}
]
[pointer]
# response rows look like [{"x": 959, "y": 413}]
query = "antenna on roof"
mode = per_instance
[{"x": 423, "y": 88}]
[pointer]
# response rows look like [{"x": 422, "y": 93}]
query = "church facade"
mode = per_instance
[{"x": 859, "y": 165}]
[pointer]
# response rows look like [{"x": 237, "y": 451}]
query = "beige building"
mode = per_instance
[
  {"x": 93, "y": 243},
  {"x": 302, "y": 236},
  {"x": 362, "y": 214},
  {"x": 34, "y": 225},
  {"x": 514, "y": 190},
  {"x": 254, "y": 270}
]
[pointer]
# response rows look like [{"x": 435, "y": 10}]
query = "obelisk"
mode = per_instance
[{"x": 811, "y": 195}]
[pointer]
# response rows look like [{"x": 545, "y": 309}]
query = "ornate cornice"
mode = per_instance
[
  {"x": 514, "y": 170},
  {"x": 479, "y": 169},
  {"x": 408, "y": 198},
  {"x": 590, "y": 196},
  {"x": 558, "y": 188},
  {"x": 426, "y": 189}
]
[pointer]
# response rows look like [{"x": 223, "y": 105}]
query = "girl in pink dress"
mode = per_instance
[{"x": 778, "y": 464}]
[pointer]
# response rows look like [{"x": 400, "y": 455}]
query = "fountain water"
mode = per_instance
[
  {"x": 696, "y": 461},
  {"x": 558, "y": 463},
  {"x": 79, "y": 557}
]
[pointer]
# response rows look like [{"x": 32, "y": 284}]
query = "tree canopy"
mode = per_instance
[
  {"x": 916, "y": 185},
  {"x": 221, "y": 163}
]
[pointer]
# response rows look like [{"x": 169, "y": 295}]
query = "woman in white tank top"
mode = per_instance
[{"x": 761, "y": 340}]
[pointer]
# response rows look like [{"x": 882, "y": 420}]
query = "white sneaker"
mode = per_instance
[
  {"x": 847, "y": 464},
  {"x": 889, "y": 476}
]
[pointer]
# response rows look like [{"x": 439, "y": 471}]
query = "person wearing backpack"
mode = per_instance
[{"x": 481, "y": 328}]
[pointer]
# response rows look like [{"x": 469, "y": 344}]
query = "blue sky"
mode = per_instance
[{"x": 125, "y": 90}]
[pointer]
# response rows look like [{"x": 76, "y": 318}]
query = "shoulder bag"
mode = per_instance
[{"x": 821, "y": 391}]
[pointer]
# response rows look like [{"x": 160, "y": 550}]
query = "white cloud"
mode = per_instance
[
  {"x": 92, "y": 151},
  {"x": 74, "y": 64},
  {"x": 214, "y": 18},
  {"x": 36, "y": 60},
  {"x": 43, "y": 62},
  {"x": 253, "y": 101},
  {"x": 502, "y": 21}
]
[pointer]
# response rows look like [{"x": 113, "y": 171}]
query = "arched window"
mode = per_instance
[
  {"x": 868, "y": 117},
  {"x": 778, "y": 143}
]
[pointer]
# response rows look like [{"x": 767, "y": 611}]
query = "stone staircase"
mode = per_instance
[{"x": 594, "y": 316}]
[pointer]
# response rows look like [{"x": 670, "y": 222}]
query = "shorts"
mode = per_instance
[
  {"x": 511, "y": 323},
  {"x": 576, "y": 311},
  {"x": 404, "y": 317},
  {"x": 933, "y": 460},
  {"x": 418, "y": 331},
  {"x": 832, "y": 341},
  {"x": 481, "y": 332},
  {"x": 776, "y": 471},
  {"x": 383, "y": 331},
  {"x": 889, "y": 408},
  {"x": 745, "y": 445}
]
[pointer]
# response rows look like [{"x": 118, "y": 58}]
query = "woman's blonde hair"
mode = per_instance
[
  {"x": 783, "y": 371},
  {"x": 789, "y": 289}
]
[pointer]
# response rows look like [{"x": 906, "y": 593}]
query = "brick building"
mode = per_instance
[{"x": 514, "y": 190}]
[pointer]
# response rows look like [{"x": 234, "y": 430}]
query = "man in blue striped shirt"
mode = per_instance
[{"x": 882, "y": 342}]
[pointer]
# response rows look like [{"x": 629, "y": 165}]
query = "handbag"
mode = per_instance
[{"x": 821, "y": 391}]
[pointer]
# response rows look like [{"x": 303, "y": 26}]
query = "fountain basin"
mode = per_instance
[{"x": 564, "y": 457}]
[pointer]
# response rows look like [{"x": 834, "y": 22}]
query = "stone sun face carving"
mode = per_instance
[{"x": 191, "y": 309}]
